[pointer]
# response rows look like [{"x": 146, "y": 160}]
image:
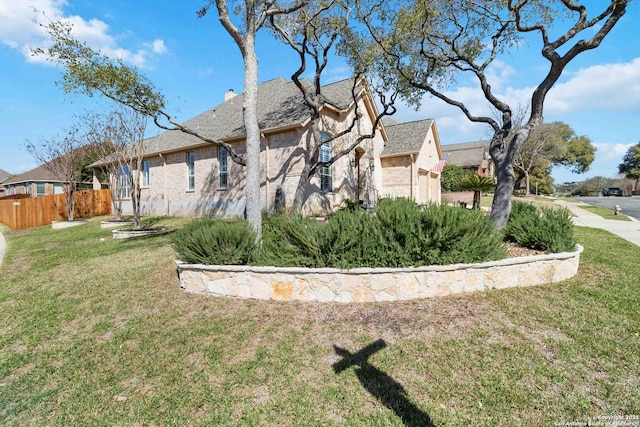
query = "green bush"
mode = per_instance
[
  {"x": 352, "y": 239},
  {"x": 545, "y": 229},
  {"x": 215, "y": 242},
  {"x": 402, "y": 234},
  {"x": 290, "y": 241},
  {"x": 452, "y": 235},
  {"x": 399, "y": 234}
]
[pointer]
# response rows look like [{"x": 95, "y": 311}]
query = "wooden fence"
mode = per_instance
[{"x": 36, "y": 211}]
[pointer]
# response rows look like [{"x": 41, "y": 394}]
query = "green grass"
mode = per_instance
[
  {"x": 605, "y": 213},
  {"x": 97, "y": 332}
]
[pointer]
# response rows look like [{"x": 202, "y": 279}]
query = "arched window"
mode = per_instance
[{"x": 326, "y": 172}]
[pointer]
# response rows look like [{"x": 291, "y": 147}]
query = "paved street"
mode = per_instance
[{"x": 630, "y": 205}]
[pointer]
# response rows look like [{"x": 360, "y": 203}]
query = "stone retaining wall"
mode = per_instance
[{"x": 375, "y": 284}]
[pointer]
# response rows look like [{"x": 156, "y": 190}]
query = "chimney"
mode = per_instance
[{"x": 229, "y": 94}]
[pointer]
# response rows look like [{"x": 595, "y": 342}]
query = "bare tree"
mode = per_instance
[
  {"x": 63, "y": 156},
  {"x": 312, "y": 33},
  {"x": 120, "y": 135},
  {"x": 421, "y": 47}
]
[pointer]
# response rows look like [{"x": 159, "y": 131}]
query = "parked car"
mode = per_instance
[{"x": 612, "y": 191}]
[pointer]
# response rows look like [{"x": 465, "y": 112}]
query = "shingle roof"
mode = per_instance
[
  {"x": 280, "y": 105},
  {"x": 40, "y": 173},
  {"x": 406, "y": 138},
  {"x": 4, "y": 175},
  {"x": 467, "y": 154}
]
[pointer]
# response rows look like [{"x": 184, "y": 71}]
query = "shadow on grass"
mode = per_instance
[{"x": 381, "y": 386}]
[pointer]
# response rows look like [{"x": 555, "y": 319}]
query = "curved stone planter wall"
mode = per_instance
[
  {"x": 56, "y": 225},
  {"x": 129, "y": 233},
  {"x": 375, "y": 284}
]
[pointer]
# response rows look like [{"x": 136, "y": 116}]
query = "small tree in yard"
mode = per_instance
[
  {"x": 63, "y": 157},
  {"x": 478, "y": 184},
  {"x": 630, "y": 165},
  {"x": 452, "y": 176},
  {"x": 119, "y": 135}
]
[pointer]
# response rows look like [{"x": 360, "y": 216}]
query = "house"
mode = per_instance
[
  {"x": 36, "y": 182},
  {"x": 184, "y": 176},
  {"x": 3, "y": 177},
  {"x": 39, "y": 181},
  {"x": 408, "y": 159},
  {"x": 473, "y": 156}
]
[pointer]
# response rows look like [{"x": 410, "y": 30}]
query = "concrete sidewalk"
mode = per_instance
[{"x": 628, "y": 230}]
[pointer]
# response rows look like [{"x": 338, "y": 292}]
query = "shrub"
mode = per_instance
[
  {"x": 290, "y": 241},
  {"x": 352, "y": 239},
  {"x": 215, "y": 242},
  {"x": 545, "y": 229},
  {"x": 402, "y": 234},
  {"x": 452, "y": 235}
]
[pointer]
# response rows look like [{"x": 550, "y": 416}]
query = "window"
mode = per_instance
[
  {"x": 57, "y": 188},
  {"x": 146, "y": 177},
  {"x": 27, "y": 188},
  {"x": 124, "y": 186},
  {"x": 40, "y": 189},
  {"x": 191, "y": 170},
  {"x": 326, "y": 172},
  {"x": 223, "y": 157}
]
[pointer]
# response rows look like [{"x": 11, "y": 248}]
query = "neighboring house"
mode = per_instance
[
  {"x": 36, "y": 182},
  {"x": 408, "y": 160},
  {"x": 39, "y": 181},
  {"x": 185, "y": 176},
  {"x": 3, "y": 177},
  {"x": 473, "y": 156}
]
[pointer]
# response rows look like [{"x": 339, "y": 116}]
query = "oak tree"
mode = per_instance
[{"x": 422, "y": 46}]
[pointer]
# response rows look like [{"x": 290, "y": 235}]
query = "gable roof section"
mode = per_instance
[
  {"x": 38, "y": 174},
  {"x": 406, "y": 138},
  {"x": 467, "y": 154},
  {"x": 280, "y": 106}
]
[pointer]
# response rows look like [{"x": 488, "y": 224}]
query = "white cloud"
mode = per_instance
[
  {"x": 608, "y": 151},
  {"x": 159, "y": 46},
  {"x": 606, "y": 86},
  {"x": 21, "y": 29}
]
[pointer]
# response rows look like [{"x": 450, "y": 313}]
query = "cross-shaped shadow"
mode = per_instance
[{"x": 384, "y": 388}]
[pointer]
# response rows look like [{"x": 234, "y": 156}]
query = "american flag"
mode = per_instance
[{"x": 439, "y": 167}]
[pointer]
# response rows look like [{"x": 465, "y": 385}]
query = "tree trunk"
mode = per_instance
[
  {"x": 135, "y": 205},
  {"x": 503, "y": 155},
  {"x": 116, "y": 202},
  {"x": 250, "y": 114},
  {"x": 527, "y": 182},
  {"x": 310, "y": 157},
  {"x": 70, "y": 202},
  {"x": 476, "y": 200}
]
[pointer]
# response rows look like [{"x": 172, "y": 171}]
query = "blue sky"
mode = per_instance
[{"x": 194, "y": 62}]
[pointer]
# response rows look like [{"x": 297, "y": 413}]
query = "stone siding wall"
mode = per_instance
[{"x": 371, "y": 285}]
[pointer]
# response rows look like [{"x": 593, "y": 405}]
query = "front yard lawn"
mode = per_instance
[{"x": 97, "y": 332}]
